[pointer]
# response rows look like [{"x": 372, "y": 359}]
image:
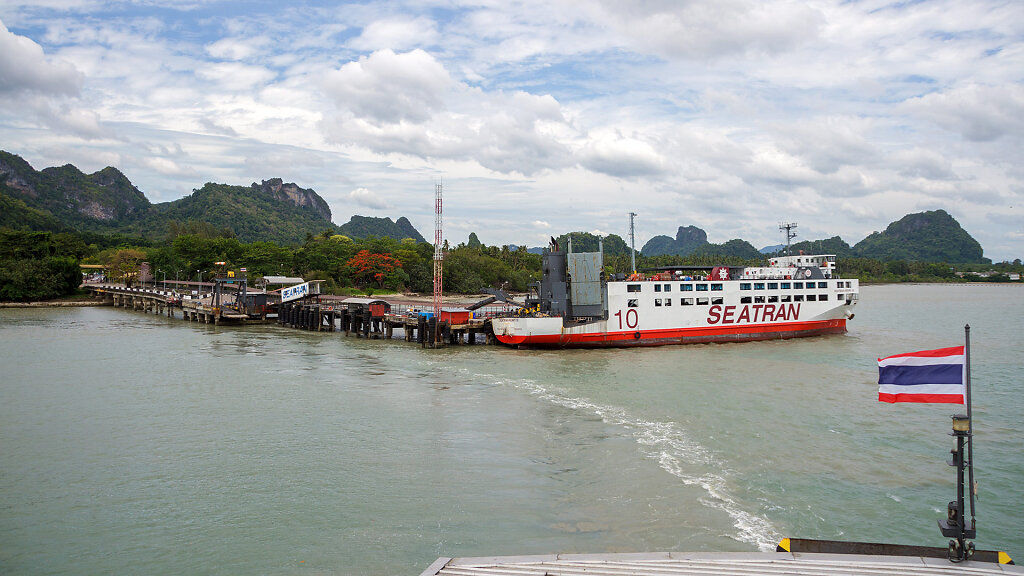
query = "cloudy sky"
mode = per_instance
[{"x": 543, "y": 117}]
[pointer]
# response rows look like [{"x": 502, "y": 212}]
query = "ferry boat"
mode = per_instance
[{"x": 576, "y": 306}]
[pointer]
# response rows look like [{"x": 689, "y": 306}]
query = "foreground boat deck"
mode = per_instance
[{"x": 709, "y": 563}]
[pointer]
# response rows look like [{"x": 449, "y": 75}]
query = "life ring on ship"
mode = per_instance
[
  {"x": 636, "y": 335},
  {"x": 788, "y": 277},
  {"x": 807, "y": 273}
]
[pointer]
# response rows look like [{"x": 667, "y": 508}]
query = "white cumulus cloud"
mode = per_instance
[
  {"x": 979, "y": 113},
  {"x": 25, "y": 68},
  {"x": 623, "y": 157},
  {"x": 396, "y": 34},
  {"x": 367, "y": 198},
  {"x": 168, "y": 167},
  {"x": 237, "y": 48},
  {"x": 389, "y": 88}
]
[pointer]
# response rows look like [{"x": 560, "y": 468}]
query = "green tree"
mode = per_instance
[
  {"x": 124, "y": 264},
  {"x": 326, "y": 255},
  {"x": 39, "y": 265},
  {"x": 266, "y": 259}
]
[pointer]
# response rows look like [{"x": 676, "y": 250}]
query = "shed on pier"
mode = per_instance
[
  {"x": 378, "y": 308},
  {"x": 455, "y": 315}
]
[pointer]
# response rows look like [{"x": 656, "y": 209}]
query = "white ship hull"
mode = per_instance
[{"x": 658, "y": 312}]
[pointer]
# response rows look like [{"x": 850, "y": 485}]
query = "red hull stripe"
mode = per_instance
[
  {"x": 742, "y": 333},
  {"x": 926, "y": 398}
]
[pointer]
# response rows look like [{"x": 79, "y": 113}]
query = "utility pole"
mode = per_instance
[{"x": 632, "y": 241}]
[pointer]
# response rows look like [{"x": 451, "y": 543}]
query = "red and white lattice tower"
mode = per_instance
[{"x": 438, "y": 251}]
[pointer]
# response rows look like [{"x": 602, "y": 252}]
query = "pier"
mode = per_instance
[
  {"x": 146, "y": 300},
  {"x": 203, "y": 310},
  {"x": 370, "y": 318},
  {"x": 199, "y": 308},
  {"x": 418, "y": 328},
  {"x": 378, "y": 319},
  {"x": 307, "y": 316}
]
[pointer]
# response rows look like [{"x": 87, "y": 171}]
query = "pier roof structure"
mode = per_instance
[
  {"x": 366, "y": 301},
  {"x": 289, "y": 280}
]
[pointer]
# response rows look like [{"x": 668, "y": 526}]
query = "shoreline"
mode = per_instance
[{"x": 51, "y": 304}]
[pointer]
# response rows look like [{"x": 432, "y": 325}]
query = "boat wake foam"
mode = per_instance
[{"x": 674, "y": 450}]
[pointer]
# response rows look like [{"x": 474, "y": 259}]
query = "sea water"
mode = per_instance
[{"x": 134, "y": 443}]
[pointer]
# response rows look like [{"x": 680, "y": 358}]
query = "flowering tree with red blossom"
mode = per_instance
[{"x": 369, "y": 267}]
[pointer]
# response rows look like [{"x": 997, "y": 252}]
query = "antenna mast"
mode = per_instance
[
  {"x": 438, "y": 250},
  {"x": 788, "y": 227},
  {"x": 632, "y": 241}
]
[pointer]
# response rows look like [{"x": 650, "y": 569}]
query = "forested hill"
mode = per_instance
[
  {"x": 69, "y": 196},
  {"x": 106, "y": 202},
  {"x": 923, "y": 237},
  {"x": 366, "y": 226},
  {"x": 927, "y": 237},
  {"x": 268, "y": 211},
  {"x": 692, "y": 241}
]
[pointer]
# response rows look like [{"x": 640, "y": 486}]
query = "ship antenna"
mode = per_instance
[
  {"x": 632, "y": 241},
  {"x": 788, "y": 227}
]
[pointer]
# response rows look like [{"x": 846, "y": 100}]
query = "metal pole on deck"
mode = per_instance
[
  {"x": 970, "y": 431},
  {"x": 955, "y": 524}
]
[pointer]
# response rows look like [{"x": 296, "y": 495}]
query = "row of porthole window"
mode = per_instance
[
  {"x": 682, "y": 287},
  {"x": 784, "y": 285},
  {"x": 786, "y": 298},
  {"x": 634, "y": 303},
  {"x": 743, "y": 286},
  {"x": 703, "y": 301},
  {"x": 791, "y": 285}
]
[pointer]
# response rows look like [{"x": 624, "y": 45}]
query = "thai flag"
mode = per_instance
[{"x": 935, "y": 376}]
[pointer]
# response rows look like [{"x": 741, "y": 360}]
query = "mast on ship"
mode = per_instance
[
  {"x": 788, "y": 228},
  {"x": 632, "y": 242}
]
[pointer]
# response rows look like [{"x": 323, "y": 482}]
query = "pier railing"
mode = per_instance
[
  {"x": 479, "y": 313},
  {"x": 170, "y": 294},
  {"x": 413, "y": 309}
]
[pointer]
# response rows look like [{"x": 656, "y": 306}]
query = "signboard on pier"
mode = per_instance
[{"x": 295, "y": 292}]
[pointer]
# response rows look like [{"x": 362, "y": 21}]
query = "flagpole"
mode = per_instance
[{"x": 970, "y": 430}]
